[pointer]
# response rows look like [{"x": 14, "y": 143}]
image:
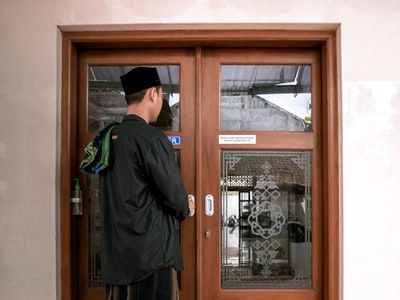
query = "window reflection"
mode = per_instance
[
  {"x": 265, "y": 97},
  {"x": 107, "y": 99}
]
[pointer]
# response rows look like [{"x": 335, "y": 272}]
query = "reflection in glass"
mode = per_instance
[
  {"x": 265, "y": 97},
  {"x": 107, "y": 99},
  {"x": 266, "y": 219}
]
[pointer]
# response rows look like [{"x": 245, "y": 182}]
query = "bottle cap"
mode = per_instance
[{"x": 77, "y": 186}]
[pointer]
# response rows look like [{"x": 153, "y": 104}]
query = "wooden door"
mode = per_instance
[
  {"x": 246, "y": 128},
  {"x": 260, "y": 230},
  {"x": 101, "y": 102}
]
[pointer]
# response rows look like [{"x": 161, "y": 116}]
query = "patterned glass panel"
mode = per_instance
[
  {"x": 266, "y": 220},
  {"x": 265, "y": 97},
  {"x": 94, "y": 232}
]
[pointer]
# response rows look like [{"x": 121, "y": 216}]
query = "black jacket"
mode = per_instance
[{"x": 142, "y": 201}]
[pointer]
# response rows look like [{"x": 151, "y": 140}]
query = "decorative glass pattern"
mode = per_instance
[{"x": 266, "y": 219}]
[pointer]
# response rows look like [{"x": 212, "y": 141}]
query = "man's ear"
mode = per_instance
[{"x": 153, "y": 93}]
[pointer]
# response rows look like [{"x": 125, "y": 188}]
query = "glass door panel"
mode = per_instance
[
  {"x": 107, "y": 99},
  {"x": 265, "y": 97},
  {"x": 266, "y": 219}
]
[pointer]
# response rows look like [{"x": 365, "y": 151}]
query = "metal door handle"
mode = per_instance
[
  {"x": 209, "y": 205},
  {"x": 192, "y": 198}
]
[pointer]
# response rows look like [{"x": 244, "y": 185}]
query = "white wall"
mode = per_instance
[{"x": 29, "y": 122}]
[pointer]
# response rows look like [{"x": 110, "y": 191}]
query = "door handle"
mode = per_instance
[
  {"x": 209, "y": 205},
  {"x": 193, "y": 199}
]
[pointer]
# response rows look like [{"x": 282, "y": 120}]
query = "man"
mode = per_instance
[{"x": 143, "y": 199}]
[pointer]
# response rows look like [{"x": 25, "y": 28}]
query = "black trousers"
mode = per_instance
[{"x": 162, "y": 285}]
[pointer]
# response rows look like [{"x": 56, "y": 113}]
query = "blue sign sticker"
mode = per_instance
[{"x": 175, "y": 140}]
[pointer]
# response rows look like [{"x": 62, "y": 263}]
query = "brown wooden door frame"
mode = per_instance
[{"x": 324, "y": 37}]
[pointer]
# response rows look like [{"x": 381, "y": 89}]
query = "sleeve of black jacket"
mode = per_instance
[{"x": 165, "y": 172}]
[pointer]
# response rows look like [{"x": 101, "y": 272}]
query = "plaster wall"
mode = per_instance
[{"x": 30, "y": 125}]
